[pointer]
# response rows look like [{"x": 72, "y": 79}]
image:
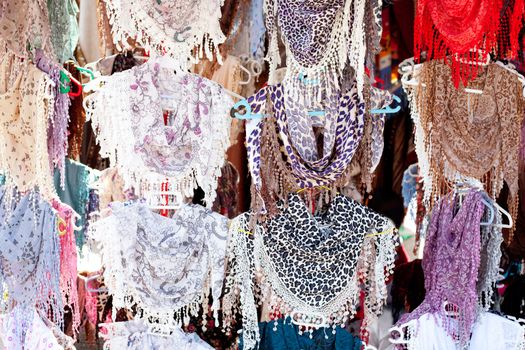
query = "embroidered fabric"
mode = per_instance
[
  {"x": 451, "y": 265},
  {"x": 169, "y": 27},
  {"x": 131, "y": 132},
  {"x": 57, "y": 131},
  {"x": 309, "y": 268},
  {"x": 25, "y": 110},
  {"x": 322, "y": 38},
  {"x": 164, "y": 266},
  {"x": 135, "y": 335},
  {"x": 450, "y": 124},
  {"x": 64, "y": 27},
  {"x": 29, "y": 260},
  {"x": 68, "y": 259}
]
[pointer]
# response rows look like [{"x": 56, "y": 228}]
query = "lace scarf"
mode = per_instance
[
  {"x": 291, "y": 134},
  {"x": 450, "y": 125},
  {"x": 451, "y": 261},
  {"x": 169, "y": 27},
  {"x": 25, "y": 111},
  {"x": 29, "y": 259},
  {"x": 164, "y": 266},
  {"x": 322, "y": 38},
  {"x": 68, "y": 260},
  {"x": 131, "y": 130},
  {"x": 57, "y": 132},
  {"x": 135, "y": 335},
  {"x": 24, "y": 23},
  {"x": 453, "y": 28},
  {"x": 309, "y": 267},
  {"x": 64, "y": 27}
]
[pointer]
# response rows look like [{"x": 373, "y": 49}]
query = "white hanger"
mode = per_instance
[
  {"x": 461, "y": 190},
  {"x": 312, "y": 316},
  {"x": 153, "y": 202},
  {"x": 89, "y": 279},
  {"x": 476, "y": 63},
  {"x": 400, "y": 330},
  {"x": 244, "y": 69},
  {"x": 511, "y": 68}
]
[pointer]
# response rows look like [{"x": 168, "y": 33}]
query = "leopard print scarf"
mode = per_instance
[{"x": 309, "y": 267}]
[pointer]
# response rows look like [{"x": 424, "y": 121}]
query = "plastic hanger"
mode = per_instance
[
  {"x": 313, "y": 316},
  {"x": 388, "y": 109},
  {"x": 511, "y": 68},
  {"x": 177, "y": 34},
  {"x": 89, "y": 279},
  {"x": 460, "y": 190},
  {"x": 305, "y": 81},
  {"x": 402, "y": 339},
  {"x": 245, "y": 70},
  {"x": 476, "y": 63}
]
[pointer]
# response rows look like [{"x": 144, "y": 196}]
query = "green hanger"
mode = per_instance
[{"x": 64, "y": 83}]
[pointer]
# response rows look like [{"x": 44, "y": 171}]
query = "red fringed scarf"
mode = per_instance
[{"x": 454, "y": 29}]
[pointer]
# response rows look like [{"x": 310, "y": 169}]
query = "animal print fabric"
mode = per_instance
[{"x": 308, "y": 265}]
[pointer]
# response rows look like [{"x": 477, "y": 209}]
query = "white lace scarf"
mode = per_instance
[
  {"x": 169, "y": 27},
  {"x": 164, "y": 266},
  {"x": 253, "y": 276},
  {"x": 127, "y": 116}
]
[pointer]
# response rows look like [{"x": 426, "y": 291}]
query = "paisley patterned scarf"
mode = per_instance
[
  {"x": 131, "y": 131},
  {"x": 29, "y": 259},
  {"x": 451, "y": 123},
  {"x": 164, "y": 266},
  {"x": 323, "y": 37},
  {"x": 169, "y": 27},
  {"x": 309, "y": 267}
]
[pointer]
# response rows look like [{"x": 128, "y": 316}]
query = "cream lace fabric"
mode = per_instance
[
  {"x": 136, "y": 335},
  {"x": 127, "y": 116},
  {"x": 169, "y": 27},
  {"x": 309, "y": 268},
  {"x": 470, "y": 135},
  {"x": 164, "y": 266},
  {"x": 23, "y": 24},
  {"x": 25, "y": 109}
]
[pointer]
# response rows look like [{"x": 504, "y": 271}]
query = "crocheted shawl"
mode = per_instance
[
  {"x": 323, "y": 37},
  {"x": 309, "y": 268},
  {"x": 25, "y": 110},
  {"x": 57, "y": 131},
  {"x": 164, "y": 266},
  {"x": 29, "y": 259},
  {"x": 130, "y": 127},
  {"x": 169, "y": 27},
  {"x": 468, "y": 135},
  {"x": 451, "y": 263}
]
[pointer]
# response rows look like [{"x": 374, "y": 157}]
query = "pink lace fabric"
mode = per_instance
[
  {"x": 450, "y": 263},
  {"x": 68, "y": 259}
]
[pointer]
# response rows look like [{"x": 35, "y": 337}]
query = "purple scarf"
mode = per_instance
[{"x": 451, "y": 262}]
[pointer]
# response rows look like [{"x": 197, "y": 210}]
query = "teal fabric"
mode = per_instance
[
  {"x": 76, "y": 192},
  {"x": 64, "y": 27},
  {"x": 287, "y": 337}
]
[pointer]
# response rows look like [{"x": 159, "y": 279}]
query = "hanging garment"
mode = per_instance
[
  {"x": 489, "y": 332},
  {"x": 75, "y": 192},
  {"x": 64, "y": 27},
  {"x": 167, "y": 265},
  {"x": 134, "y": 335},
  {"x": 451, "y": 123},
  {"x": 132, "y": 133},
  {"x": 287, "y": 337},
  {"x": 57, "y": 131},
  {"x": 24, "y": 23},
  {"x": 323, "y": 38},
  {"x": 29, "y": 260},
  {"x": 25, "y": 110},
  {"x": 309, "y": 266},
  {"x": 66, "y": 218},
  {"x": 38, "y": 337},
  {"x": 451, "y": 264},
  {"x": 169, "y": 27}
]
